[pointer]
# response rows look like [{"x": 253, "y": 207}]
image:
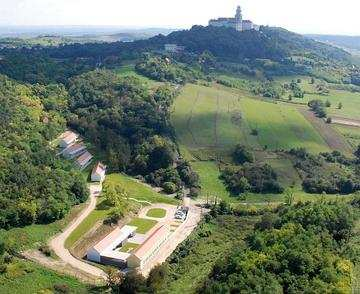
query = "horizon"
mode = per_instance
[{"x": 154, "y": 14}]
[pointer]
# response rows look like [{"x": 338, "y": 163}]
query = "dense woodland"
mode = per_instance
[
  {"x": 35, "y": 185},
  {"x": 294, "y": 249}
]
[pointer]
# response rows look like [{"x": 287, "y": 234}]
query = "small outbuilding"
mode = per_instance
[{"x": 98, "y": 173}]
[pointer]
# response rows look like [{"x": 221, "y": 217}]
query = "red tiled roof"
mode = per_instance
[
  {"x": 99, "y": 168},
  {"x": 150, "y": 242}
]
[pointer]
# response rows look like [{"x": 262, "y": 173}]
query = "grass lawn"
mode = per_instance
[
  {"x": 129, "y": 70},
  {"x": 206, "y": 120},
  {"x": 100, "y": 213},
  {"x": 23, "y": 277},
  {"x": 211, "y": 185},
  {"x": 156, "y": 212},
  {"x": 129, "y": 247},
  {"x": 138, "y": 190},
  {"x": 143, "y": 225},
  {"x": 281, "y": 126}
]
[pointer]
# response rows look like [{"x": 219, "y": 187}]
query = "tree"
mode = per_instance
[
  {"x": 289, "y": 196},
  {"x": 114, "y": 195},
  {"x": 242, "y": 154},
  {"x": 156, "y": 277},
  {"x": 340, "y": 105},
  {"x": 328, "y": 103}
]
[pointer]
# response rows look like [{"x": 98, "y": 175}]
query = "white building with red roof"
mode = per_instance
[
  {"x": 106, "y": 251},
  {"x": 98, "y": 173},
  {"x": 149, "y": 248}
]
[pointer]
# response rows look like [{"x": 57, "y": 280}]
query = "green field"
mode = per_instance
[
  {"x": 207, "y": 128},
  {"x": 129, "y": 71},
  {"x": 207, "y": 123},
  {"x": 128, "y": 247},
  {"x": 156, "y": 212},
  {"x": 349, "y": 100},
  {"x": 281, "y": 126},
  {"x": 143, "y": 225}
]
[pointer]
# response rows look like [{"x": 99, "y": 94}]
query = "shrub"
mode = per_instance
[
  {"x": 45, "y": 249},
  {"x": 242, "y": 154},
  {"x": 61, "y": 288},
  {"x": 169, "y": 187}
]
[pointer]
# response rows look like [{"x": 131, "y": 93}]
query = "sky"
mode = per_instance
[{"x": 302, "y": 16}]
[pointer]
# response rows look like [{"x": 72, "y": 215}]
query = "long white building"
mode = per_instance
[{"x": 237, "y": 22}]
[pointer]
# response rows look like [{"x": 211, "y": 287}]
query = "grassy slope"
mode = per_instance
[
  {"x": 25, "y": 277},
  {"x": 199, "y": 110},
  {"x": 129, "y": 70},
  {"x": 189, "y": 272},
  {"x": 281, "y": 126},
  {"x": 204, "y": 121},
  {"x": 349, "y": 99},
  {"x": 352, "y": 134}
]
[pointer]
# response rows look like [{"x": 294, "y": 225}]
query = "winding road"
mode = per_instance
[{"x": 57, "y": 244}]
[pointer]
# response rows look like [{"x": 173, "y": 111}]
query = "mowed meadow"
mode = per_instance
[{"x": 210, "y": 121}]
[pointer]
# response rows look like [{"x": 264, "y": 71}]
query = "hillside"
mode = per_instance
[
  {"x": 347, "y": 42},
  {"x": 268, "y": 43}
]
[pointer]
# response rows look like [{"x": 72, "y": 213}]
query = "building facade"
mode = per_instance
[{"x": 237, "y": 22}]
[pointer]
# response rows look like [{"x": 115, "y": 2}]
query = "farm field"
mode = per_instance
[
  {"x": 209, "y": 122},
  {"x": 349, "y": 100}
]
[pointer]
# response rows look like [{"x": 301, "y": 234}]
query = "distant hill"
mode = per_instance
[
  {"x": 268, "y": 43},
  {"x": 347, "y": 42}
]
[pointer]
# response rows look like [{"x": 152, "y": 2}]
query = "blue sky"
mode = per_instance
[{"x": 303, "y": 16}]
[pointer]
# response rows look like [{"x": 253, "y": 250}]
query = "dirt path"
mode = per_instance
[
  {"x": 346, "y": 121},
  {"x": 333, "y": 139},
  {"x": 57, "y": 244}
]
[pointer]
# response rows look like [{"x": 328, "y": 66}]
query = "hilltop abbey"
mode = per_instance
[{"x": 237, "y": 22}]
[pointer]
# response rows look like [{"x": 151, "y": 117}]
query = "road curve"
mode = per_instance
[{"x": 57, "y": 244}]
